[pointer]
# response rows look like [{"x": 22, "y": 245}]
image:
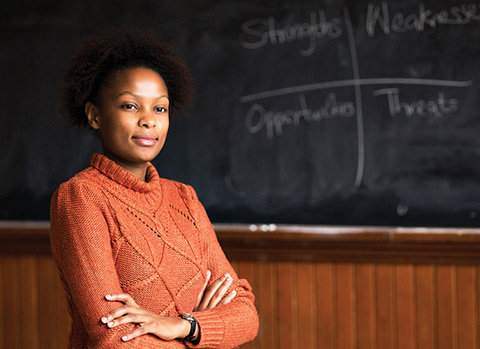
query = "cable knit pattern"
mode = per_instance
[{"x": 113, "y": 233}]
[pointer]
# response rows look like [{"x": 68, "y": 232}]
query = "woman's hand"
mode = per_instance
[
  {"x": 215, "y": 295},
  {"x": 167, "y": 328}
]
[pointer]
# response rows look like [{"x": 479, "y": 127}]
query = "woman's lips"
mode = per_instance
[{"x": 145, "y": 140}]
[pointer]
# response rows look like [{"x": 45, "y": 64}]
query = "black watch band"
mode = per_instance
[{"x": 193, "y": 326}]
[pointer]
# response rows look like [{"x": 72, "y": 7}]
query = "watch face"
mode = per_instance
[{"x": 188, "y": 317}]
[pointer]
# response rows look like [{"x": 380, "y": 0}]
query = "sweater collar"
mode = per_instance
[{"x": 118, "y": 174}]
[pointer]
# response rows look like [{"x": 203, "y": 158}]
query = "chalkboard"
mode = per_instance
[{"x": 312, "y": 112}]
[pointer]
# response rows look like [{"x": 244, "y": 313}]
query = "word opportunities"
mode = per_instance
[{"x": 258, "y": 118}]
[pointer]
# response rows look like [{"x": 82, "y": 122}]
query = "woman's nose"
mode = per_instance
[{"x": 147, "y": 120}]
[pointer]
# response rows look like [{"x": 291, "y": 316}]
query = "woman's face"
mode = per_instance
[{"x": 132, "y": 118}]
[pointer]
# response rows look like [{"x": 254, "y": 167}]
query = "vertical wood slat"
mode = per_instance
[
  {"x": 365, "y": 306},
  {"x": 12, "y": 303},
  {"x": 466, "y": 307},
  {"x": 267, "y": 305},
  {"x": 2, "y": 307},
  {"x": 47, "y": 311},
  {"x": 29, "y": 302},
  {"x": 326, "y": 306},
  {"x": 426, "y": 307},
  {"x": 63, "y": 318},
  {"x": 405, "y": 299},
  {"x": 446, "y": 319},
  {"x": 384, "y": 294},
  {"x": 287, "y": 307},
  {"x": 246, "y": 270},
  {"x": 307, "y": 316},
  {"x": 345, "y": 304}
]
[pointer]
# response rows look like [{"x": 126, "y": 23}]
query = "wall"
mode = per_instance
[{"x": 315, "y": 287}]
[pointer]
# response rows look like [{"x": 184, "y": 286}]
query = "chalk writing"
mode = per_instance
[
  {"x": 259, "y": 118},
  {"x": 420, "y": 107},
  {"x": 260, "y": 32},
  {"x": 419, "y": 21}
]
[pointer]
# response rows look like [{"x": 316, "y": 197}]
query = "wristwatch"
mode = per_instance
[{"x": 193, "y": 324}]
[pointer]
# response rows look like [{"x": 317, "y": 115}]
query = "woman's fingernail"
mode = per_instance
[
  {"x": 110, "y": 324},
  {"x": 108, "y": 296},
  {"x": 124, "y": 338},
  {"x": 104, "y": 319}
]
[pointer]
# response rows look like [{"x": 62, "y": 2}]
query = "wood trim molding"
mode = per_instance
[
  {"x": 301, "y": 243},
  {"x": 350, "y": 244},
  {"x": 24, "y": 237}
]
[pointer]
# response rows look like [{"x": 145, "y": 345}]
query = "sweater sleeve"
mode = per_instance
[
  {"x": 81, "y": 246},
  {"x": 232, "y": 324}
]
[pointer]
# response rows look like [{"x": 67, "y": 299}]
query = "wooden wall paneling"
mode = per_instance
[
  {"x": 405, "y": 307},
  {"x": 12, "y": 308},
  {"x": 47, "y": 295},
  {"x": 467, "y": 306},
  {"x": 246, "y": 270},
  {"x": 29, "y": 301},
  {"x": 307, "y": 305},
  {"x": 288, "y": 299},
  {"x": 267, "y": 306},
  {"x": 426, "y": 306},
  {"x": 345, "y": 305},
  {"x": 313, "y": 300},
  {"x": 326, "y": 305},
  {"x": 477, "y": 303},
  {"x": 235, "y": 265},
  {"x": 365, "y": 306},
  {"x": 63, "y": 320},
  {"x": 386, "y": 317},
  {"x": 2, "y": 307},
  {"x": 446, "y": 319}
]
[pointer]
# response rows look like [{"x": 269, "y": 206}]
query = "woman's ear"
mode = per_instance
[{"x": 92, "y": 115}]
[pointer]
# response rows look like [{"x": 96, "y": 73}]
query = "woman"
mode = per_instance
[{"x": 137, "y": 253}]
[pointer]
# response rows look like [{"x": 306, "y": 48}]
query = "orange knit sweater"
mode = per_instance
[{"x": 113, "y": 233}]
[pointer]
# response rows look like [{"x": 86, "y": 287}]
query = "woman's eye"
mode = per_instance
[
  {"x": 128, "y": 106},
  {"x": 160, "y": 110}
]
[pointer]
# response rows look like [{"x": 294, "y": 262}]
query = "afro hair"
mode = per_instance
[{"x": 99, "y": 57}]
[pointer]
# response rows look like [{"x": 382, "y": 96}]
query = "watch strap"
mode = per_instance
[{"x": 193, "y": 326}]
